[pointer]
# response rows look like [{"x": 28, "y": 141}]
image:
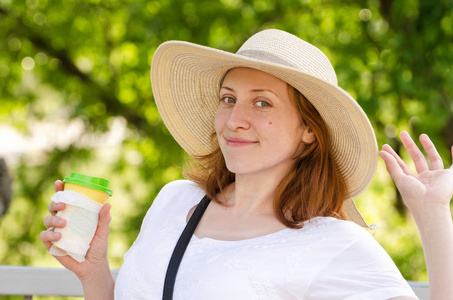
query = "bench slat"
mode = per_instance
[{"x": 25, "y": 280}]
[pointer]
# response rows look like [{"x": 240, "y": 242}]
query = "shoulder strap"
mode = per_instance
[{"x": 181, "y": 247}]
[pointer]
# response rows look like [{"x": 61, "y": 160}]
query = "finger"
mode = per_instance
[
  {"x": 433, "y": 155},
  {"x": 417, "y": 156},
  {"x": 47, "y": 237},
  {"x": 53, "y": 221},
  {"x": 55, "y": 207},
  {"x": 393, "y": 167},
  {"x": 398, "y": 159},
  {"x": 59, "y": 186}
]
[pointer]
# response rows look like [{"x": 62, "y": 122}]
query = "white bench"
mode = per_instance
[{"x": 30, "y": 281}]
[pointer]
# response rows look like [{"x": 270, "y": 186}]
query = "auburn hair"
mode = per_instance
[{"x": 313, "y": 187}]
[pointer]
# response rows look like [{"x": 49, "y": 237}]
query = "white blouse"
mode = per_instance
[{"x": 326, "y": 259}]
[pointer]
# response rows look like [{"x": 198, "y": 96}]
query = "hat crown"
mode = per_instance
[
  {"x": 277, "y": 46},
  {"x": 185, "y": 79}
]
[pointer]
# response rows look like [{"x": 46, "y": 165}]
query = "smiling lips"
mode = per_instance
[{"x": 239, "y": 142}]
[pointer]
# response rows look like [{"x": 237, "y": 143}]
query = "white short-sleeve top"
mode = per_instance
[{"x": 326, "y": 259}]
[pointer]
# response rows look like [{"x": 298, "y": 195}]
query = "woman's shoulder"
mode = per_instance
[
  {"x": 180, "y": 186},
  {"x": 348, "y": 253},
  {"x": 336, "y": 229},
  {"x": 347, "y": 239},
  {"x": 334, "y": 225},
  {"x": 174, "y": 200},
  {"x": 183, "y": 192},
  {"x": 343, "y": 240}
]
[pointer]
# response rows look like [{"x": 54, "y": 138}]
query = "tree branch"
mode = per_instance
[{"x": 106, "y": 95}]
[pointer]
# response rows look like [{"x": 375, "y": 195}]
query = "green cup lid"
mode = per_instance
[{"x": 96, "y": 183}]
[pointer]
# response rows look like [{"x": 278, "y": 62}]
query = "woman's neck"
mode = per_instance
[{"x": 251, "y": 193}]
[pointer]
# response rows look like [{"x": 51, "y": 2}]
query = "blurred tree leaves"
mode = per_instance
[{"x": 87, "y": 63}]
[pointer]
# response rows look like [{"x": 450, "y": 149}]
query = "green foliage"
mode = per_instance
[{"x": 84, "y": 65}]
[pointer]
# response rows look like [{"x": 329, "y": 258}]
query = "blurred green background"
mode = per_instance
[{"x": 75, "y": 96}]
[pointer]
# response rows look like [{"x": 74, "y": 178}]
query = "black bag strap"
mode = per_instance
[{"x": 181, "y": 247}]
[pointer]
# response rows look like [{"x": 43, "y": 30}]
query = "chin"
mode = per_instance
[
  {"x": 236, "y": 167},
  {"x": 241, "y": 168}
]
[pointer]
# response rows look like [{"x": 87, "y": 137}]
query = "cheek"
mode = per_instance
[{"x": 219, "y": 121}]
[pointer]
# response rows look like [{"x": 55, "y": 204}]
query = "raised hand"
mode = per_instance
[
  {"x": 432, "y": 185},
  {"x": 427, "y": 194}
]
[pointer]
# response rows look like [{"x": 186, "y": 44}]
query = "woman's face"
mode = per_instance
[{"x": 257, "y": 124}]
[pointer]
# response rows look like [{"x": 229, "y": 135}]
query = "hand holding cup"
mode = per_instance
[{"x": 96, "y": 256}]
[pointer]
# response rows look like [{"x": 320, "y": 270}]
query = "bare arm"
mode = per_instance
[{"x": 428, "y": 195}]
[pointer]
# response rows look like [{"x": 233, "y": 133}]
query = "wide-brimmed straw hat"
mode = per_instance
[{"x": 186, "y": 79}]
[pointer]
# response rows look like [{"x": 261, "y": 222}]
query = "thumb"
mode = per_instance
[
  {"x": 105, "y": 218},
  {"x": 99, "y": 244}
]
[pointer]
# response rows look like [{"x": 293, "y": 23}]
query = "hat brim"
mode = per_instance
[{"x": 185, "y": 79}]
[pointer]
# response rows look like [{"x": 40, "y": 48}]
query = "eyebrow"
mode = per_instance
[{"x": 254, "y": 90}]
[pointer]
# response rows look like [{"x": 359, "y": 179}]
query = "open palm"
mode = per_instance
[{"x": 431, "y": 186}]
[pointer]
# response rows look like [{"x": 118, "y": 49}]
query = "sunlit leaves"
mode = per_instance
[{"x": 84, "y": 66}]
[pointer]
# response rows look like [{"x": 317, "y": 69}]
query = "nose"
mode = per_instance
[{"x": 238, "y": 117}]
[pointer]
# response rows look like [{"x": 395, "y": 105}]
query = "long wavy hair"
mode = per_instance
[{"x": 313, "y": 187}]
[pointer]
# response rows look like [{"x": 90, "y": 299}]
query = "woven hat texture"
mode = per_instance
[{"x": 186, "y": 79}]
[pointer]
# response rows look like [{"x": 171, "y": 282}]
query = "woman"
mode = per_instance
[{"x": 281, "y": 150}]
